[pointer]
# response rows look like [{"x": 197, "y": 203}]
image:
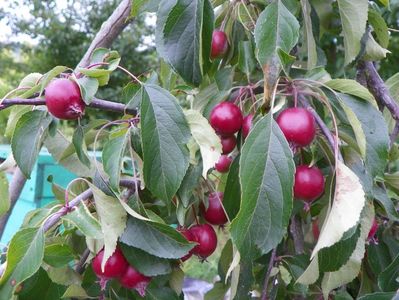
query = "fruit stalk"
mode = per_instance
[{"x": 323, "y": 127}]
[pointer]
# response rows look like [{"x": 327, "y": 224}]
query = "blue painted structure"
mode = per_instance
[{"x": 37, "y": 191}]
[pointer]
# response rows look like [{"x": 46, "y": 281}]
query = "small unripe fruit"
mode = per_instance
[
  {"x": 298, "y": 126},
  {"x": 223, "y": 164},
  {"x": 247, "y": 125},
  {"x": 214, "y": 214},
  {"x": 309, "y": 183},
  {"x": 206, "y": 238},
  {"x": 226, "y": 118},
  {"x": 115, "y": 266},
  {"x": 63, "y": 99},
  {"x": 219, "y": 45},
  {"x": 229, "y": 142},
  {"x": 133, "y": 279}
]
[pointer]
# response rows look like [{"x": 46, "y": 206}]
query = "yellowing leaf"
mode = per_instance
[
  {"x": 345, "y": 212},
  {"x": 206, "y": 138},
  {"x": 112, "y": 217}
]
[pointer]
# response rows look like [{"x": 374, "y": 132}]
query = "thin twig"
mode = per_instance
[
  {"x": 79, "y": 268},
  {"x": 95, "y": 103},
  {"x": 297, "y": 234},
  {"x": 269, "y": 270}
]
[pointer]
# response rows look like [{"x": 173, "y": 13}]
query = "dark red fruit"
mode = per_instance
[
  {"x": 206, "y": 238},
  {"x": 298, "y": 126},
  {"x": 114, "y": 267},
  {"x": 226, "y": 118},
  {"x": 63, "y": 99},
  {"x": 220, "y": 45},
  {"x": 247, "y": 125},
  {"x": 309, "y": 183},
  {"x": 133, "y": 279},
  {"x": 214, "y": 214},
  {"x": 189, "y": 237},
  {"x": 373, "y": 230},
  {"x": 228, "y": 143},
  {"x": 223, "y": 164}
]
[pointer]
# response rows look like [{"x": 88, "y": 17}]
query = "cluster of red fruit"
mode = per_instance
[
  {"x": 299, "y": 128},
  {"x": 118, "y": 268},
  {"x": 204, "y": 234},
  {"x": 226, "y": 118}
]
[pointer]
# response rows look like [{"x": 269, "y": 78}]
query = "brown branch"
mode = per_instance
[
  {"x": 380, "y": 92},
  {"x": 109, "y": 31},
  {"x": 267, "y": 277},
  {"x": 15, "y": 189},
  {"x": 96, "y": 103}
]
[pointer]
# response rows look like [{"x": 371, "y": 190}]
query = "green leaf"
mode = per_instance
[
  {"x": 218, "y": 291},
  {"x": 161, "y": 293},
  {"x": 189, "y": 183},
  {"x": 112, "y": 155},
  {"x": 246, "y": 57},
  {"x": 4, "y": 196},
  {"x": 266, "y": 177},
  {"x": 24, "y": 257},
  {"x": 85, "y": 222},
  {"x": 232, "y": 191},
  {"x": 332, "y": 258},
  {"x": 131, "y": 95},
  {"x": 378, "y": 296},
  {"x": 352, "y": 87},
  {"x": 40, "y": 286},
  {"x": 145, "y": 263},
  {"x": 79, "y": 143},
  {"x": 373, "y": 50},
  {"x": 88, "y": 88},
  {"x": 206, "y": 138},
  {"x": 375, "y": 131},
  {"x": 224, "y": 78},
  {"x": 30, "y": 80},
  {"x": 308, "y": 34},
  {"x": 176, "y": 280},
  {"x": 353, "y": 18},
  {"x": 76, "y": 292},
  {"x": 50, "y": 75},
  {"x": 380, "y": 27},
  {"x": 154, "y": 238},
  {"x": 164, "y": 133},
  {"x": 208, "y": 97},
  {"x": 183, "y": 36},
  {"x": 378, "y": 257},
  {"x": 27, "y": 139},
  {"x": 112, "y": 217},
  {"x": 388, "y": 279},
  {"x": 58, "y": 255},
  {"x": 16, "y": 113},
  {"x": 393, "y": 85},
  {"x": 275, "y": 29}
]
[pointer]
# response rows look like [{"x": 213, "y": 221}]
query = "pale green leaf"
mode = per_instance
[
  {"x": 353, "y": 18},
  {"x": 373, "y": 50},
  {"x": 75, "y": 291},
  {"x": 27, "y": 139},
  {"x": 308, "y": 34},
  {"x": 112, "y": 217},
  {"x": 347, "y": 206},
  {"x": 206, "y": 138},
  {"x": 85, "y": 222},
  {"x": 352, "y": 87}
]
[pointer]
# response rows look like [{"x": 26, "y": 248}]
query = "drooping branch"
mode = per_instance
[
  {"x": 380, "y": 92},
  {"x": 96, "y": 103},
  {"x": 110, "y": 30}
]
